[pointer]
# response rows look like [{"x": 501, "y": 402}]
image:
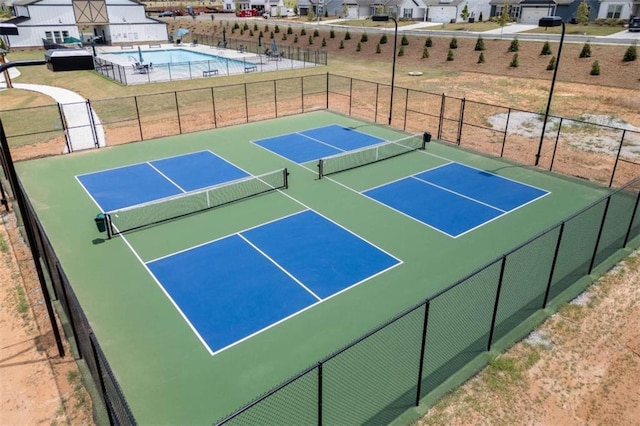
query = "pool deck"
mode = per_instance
[{"x": 241, "y": 63}]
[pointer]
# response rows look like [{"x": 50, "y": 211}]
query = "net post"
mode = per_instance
[
  {"x": 320, "y": 168},
  {"x": 285, "y": 175},
  {"x": 107, "y": 224},
  {"x": 426, "y": 138}
]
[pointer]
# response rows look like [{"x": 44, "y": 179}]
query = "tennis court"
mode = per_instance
[{"x": 233, "y": 266}]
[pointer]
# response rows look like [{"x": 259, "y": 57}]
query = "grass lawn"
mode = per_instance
[
  {"x": 572, "y": 29},
  {"x": 464, "y": 26},
  {"x": 368, "y": 23}
]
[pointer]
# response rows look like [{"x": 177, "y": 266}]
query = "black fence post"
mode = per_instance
[
  {"x": 63, "y": 123},
  {"x": 302, "y": 92},
  {"x": 135, "y": 101},
  {"x": 506, "y": 130},
  {"x": 553, "y": 267},
  {"x": 72, "y": 322},
  {"x": 319, "y": 394},
  {"x": 92, "y": 123},
  {"x": 175, "y": 95},
  {"x": 461, "y": 121},
  {"x": 633, "y": 215},
  {"x": 406, "y": 109},
  {"x": 425, "y": 323},
  {"x": 555, "y": 147},
  {"x": 327, "y": 93},
  {"x": 246, "y": 104},
  {"x": 604, "y": 219},
  {"x": 615, "y": 164},
  {"x": 103, "y": 388},
  {"x": 275, "y": 95},
  {"x": 350, "y": 94},
  {"x": 213, "y": 105},
  {"x": 375, "y": 116},
  {"x": 495, "y": 306},
  {"x": 441, "y": 118},
  {"x": 26, "y": 214},
  {"x": 3, "y": 198}
]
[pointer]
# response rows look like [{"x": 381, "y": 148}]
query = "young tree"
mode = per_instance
[
  {"x": 514, "y": 46},
  {"x": 514, "y": 61},
  {"x": 504, "y": 17},
  {"x": 582, "y": 14},
  {"x": 595, "y": 68},
  {"x": 347, "y": 35},
  {"x": 586, "y": 51},
  {"x": 546, "y": 49},
  {"x": 428, "y": 42},
  {"x": 383, "y": 39},
  {"x": 289, "y": 30},
  {"x": 631, "y": 54},
  {"x": 401, "y": 51},
  {"x": 310, "y": 15},
  {"x": 316, "y": 33},
  {"x": 332, "y": 34},
  {"x": 324, "y": 42},
  {"x": 465, "y": 12},
  {"x": 453, "y": 44},
  {"x": 404, "y": 41},
  {"x": 481, "y": 58},
  {"x": 450, "y": 55},
  {"x": 552, "y": 64},
  {"x": 341, "y": 44},
  {"x": 378, "y": 48},
  {"x": 358, "y": 47},
  {"x": 425, "y": 53},
  {"x": 479, "y": 44},
  {"x": 364, "y": 37}
]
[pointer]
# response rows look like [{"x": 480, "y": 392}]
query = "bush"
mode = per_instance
[
  {"x": 425, "y": 53},
  {"x": 255, "y": 27},
  {"x": 310, "y": 39},
  {"x": 514, "y": 61},
  {"x": 631, "y": 54},
  {"x": 245, "y": 26},
  {"x": 453, "y": 44},
  {"x": 266, "y": 28},
  {"x": 289, "y": 30},
  {"x": 316, "y": 33},
  {"x": 358, "y": 47},
  {"x": 546, "y": 49},
  {"x": 595, "y": 68},
  {"x": 284, "y": 36},
  {"x": 514, "y": 46},
  {"x": 347, "y": 35},
  {"x": 586, "y": 51},
  {"x": 378, "y": 48},
  {"x": 479, "y": 44},
  {"x": 404, "y": 41},
  {"x": 295, "y": 38},
  {"x": 481, "y": 58},
  {"x": 324, "y": 42},
  {"x": 233, "y": 30},
  {"x": 341, "y": 44},
  {"x": 401, "y": 51},
  {"x": 276, "y": 29},
  {"x": 364, "y": 38},
  {"x": 552, "y": 64},
  {"x": 383, "y": 39},
  {"x": 250, "y": 33},
  {"x": 241, "y": 31},
  {"x": 303, "y": 32},
  {"x": 428, "y": 42},
  {"x": 271, "y": 35},
  {"x": 450, "y": 55},
  {"x": 260, "y": 35},
  {"x": 332, "y": 34},
  {"x": 235, "y": 26}
]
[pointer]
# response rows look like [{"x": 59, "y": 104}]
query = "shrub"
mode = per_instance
[
  {"x": 481, "y": 58},
  {"x": 425, "y": 53},
  {"x": 404, "y": 41},
  {"x": 364, "y": 38},
  {"x": 284, "y": 36},
  {"x": 303, "y": 32},
  {"x": 266, "y": 28},
  {"x": 514, "y": 61},
  {"x": 631, "y": 54},
  {"x": 260, "y": 35},
  {"x": 595, "y": 68},
  {"x": 401, "y": 51},
  {"x": 250, "y": 33},
  {"x": 310, "y": 39},
  {"x": 514, "y": 46},
  {"x": 586, "y": 51},
  {"x": 428, "y": 42},
  {"x": 450, "y": 55},
  {"x": 295, "y": 38},
  {"x": 233, "y": 30},
  {"x": 358, "y": 47},
  {"x": 245, "y": 26},
  {"x": 310, "y": 15},
  {"x": 241, "y": 31},
  {"x": 479, "y": 44},
  {"x": 332, "y": 34},
  {"x": 271, "y": 35},
  {"x": 552, "y": 63},
  {"x": 324, "y": 42},
  {"x": 347, "y": 35},
  {"x": 316, "y": 33},
  {"x": 453, "y": 44},
  {"x": 341, "y": 44},
  {"x": 255, "y": 27},
  {"x": 289, "y": 30},
  {"x": 546, "y": 49},
  {"x": 383, "y": 39},
  {"x": 276, "y": 29},
  {"x": 378, "y": 48},
  {"x": 235, "y": 26}
]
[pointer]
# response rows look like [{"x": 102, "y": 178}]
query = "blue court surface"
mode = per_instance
[
  {"x": 453, "y": 198},
  {"x": 317, "y": 143},
  {"x": 237, "y": 286},
  {"x": 139, "y": 183}
]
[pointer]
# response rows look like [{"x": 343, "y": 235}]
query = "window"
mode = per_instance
[
  {"x": 614, "y": 11},
  {"x": 407, "y": 13},
  {"x": 48, "y": 35},
  {"x": 514, "y": 12}
]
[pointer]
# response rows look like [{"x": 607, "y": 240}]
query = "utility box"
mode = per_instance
[{"x": 69, "y": 60}]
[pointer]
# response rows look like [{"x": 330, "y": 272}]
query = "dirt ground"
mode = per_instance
[{"x": 581, "y": 367}]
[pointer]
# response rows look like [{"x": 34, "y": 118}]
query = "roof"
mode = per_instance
[
  {"x": 537, "y": 2},
  {"x": 441, "y": 3},
  {"x": 17, "y": 20},
  {"x": 25, "y": 2}
]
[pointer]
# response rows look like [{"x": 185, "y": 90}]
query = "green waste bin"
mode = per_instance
[{"x": 101, "y": 222}]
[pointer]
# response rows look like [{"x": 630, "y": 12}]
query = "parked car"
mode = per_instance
[
  {"x": 634, "y": 24},
  {"x": 165, "y": 14}
]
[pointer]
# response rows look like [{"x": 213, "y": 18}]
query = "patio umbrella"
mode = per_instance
[
  {"x": 180, "y": 32},
  {"x": 140, "y": 55}
]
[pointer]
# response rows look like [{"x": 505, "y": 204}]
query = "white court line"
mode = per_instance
[
  {"x": 89, "y": 194},
  {"x": 458, "y": 194},
  {"x": 166, "y": 177}
]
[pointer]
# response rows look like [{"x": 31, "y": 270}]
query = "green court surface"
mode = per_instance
[{"x": 166, "y": 373}]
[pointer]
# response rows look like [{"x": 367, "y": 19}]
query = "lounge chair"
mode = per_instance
[{"x": 194, "y": 43}]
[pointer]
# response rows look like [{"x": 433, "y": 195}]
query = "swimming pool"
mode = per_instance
[{"x": 172, "y": 56}]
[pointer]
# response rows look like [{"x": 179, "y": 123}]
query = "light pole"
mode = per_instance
[
  {"x": 385, "y": 18},
  {"x": 550, "y": 21}
]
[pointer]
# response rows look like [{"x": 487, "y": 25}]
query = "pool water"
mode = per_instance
[{"x": 173, "y": 56}]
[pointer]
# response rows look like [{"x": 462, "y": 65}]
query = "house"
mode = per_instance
[
  {"x": 617, "y": 9},
  {"x": 330, "y": 8},
  {"x": 106, "y": 21}
]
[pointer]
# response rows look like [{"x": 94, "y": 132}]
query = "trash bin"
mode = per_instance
[
  {"x": 101, "y": 222},
  {"x": 426, "y": 137}
]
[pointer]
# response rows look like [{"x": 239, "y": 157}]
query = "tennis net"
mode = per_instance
[
  {"x": 165, "y": 209},
  {"x": 371, "y": 154}
]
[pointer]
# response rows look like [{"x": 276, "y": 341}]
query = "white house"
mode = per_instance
[
  {"x": 616, "y": 9},
  {"x": 112, "y": 21}
]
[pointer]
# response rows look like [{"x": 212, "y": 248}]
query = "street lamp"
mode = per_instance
[
  {"x": 550, "y": 21},
  {"x": 385, "y": 18}
]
